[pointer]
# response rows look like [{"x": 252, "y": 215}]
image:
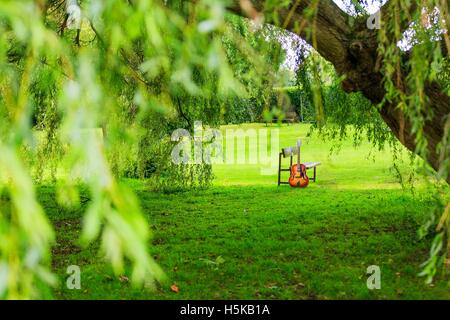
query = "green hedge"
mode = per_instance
[
  {"x": 294, "y": 99},
  {"x": 287, "y": 99}
]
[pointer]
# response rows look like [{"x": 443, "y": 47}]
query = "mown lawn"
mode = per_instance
[{"x": 246, "y": 238}]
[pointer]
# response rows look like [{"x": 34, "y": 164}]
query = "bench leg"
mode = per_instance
[{"x": 279, "y": 169}]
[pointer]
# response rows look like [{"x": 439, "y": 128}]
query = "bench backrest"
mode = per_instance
[{"x": 290, "y": 151}]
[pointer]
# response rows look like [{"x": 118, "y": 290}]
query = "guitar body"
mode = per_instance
[{"x": 298, "y": 178}]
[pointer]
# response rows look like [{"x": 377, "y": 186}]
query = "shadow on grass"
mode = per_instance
[{"x": 254, "y": 242}]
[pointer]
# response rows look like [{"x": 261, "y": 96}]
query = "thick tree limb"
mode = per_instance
[{"x": 329, "y": 28}]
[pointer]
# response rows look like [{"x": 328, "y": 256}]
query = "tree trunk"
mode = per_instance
[{"x": 353, "y": 52}]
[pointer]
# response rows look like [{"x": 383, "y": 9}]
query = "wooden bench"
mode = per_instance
[{"x": 291, "y": 152}]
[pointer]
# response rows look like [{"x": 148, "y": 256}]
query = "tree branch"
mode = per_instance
[
  {"x": 320, "y": 22},
  {"x": 391, "y": 10}
]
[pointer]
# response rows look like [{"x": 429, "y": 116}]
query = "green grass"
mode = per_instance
[{"x": 246, "y": 238}]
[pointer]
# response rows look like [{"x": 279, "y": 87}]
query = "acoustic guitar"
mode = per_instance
[{"x": 298, "y": 178}]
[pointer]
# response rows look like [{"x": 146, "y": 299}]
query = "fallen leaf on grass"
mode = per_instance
[
  {"x": 271, "y": 286},
  {"x": 174, "y": 288}
]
